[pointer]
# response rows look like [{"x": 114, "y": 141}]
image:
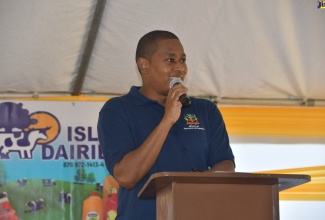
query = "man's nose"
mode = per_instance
[{"x": 180, "y": 66}]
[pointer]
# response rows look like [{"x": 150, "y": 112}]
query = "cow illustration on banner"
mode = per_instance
[{"x": 21, "y": 131}]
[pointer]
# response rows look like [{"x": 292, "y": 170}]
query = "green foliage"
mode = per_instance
[
  {"x": 3, "y": 174},
  {"x": 80, "y": 175},
  {"x": 54, "y": 209},
  {"x": 91, "y": 178}
]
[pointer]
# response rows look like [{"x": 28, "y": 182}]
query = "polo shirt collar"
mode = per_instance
[{"x": 137, "y": 97}]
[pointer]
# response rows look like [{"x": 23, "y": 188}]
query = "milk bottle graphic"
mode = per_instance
[{"x": 93, "y": 208}]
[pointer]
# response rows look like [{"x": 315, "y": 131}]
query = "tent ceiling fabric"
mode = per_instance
[{"x": 235, "y": 49}]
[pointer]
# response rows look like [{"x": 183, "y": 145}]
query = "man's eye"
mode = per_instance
[
  {"x": 183, "y": 60},
  {"x": 170, "y": 60}
]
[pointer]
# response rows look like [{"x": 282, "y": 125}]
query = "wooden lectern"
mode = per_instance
[{"x": 218, "y": 195}]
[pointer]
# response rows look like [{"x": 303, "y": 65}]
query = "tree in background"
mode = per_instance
[
  {"x": 12, "y": 115},
  {"x": 91, "y": 178},
  {"x": 3, "y": 174},
  {"x": 80, "y": 175}
]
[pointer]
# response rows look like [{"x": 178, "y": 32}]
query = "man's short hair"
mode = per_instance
[{"x": 147, "y": 44}]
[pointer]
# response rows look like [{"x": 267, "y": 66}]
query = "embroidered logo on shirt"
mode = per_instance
[
  {"x": 192, "y": 122},
  {"x": 191, "y": 119}
]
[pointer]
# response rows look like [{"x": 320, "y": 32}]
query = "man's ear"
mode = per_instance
[{"x": 143, "y": 65}]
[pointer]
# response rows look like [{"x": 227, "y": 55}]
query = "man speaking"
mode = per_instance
[{"x": 152, "y": 129}]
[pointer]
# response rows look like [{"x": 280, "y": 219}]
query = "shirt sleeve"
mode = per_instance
[
  {"x": 113, "y": 133},
  {"x": 219, "y": 146}
]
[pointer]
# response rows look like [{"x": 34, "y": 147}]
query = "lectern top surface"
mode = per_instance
[{"x": 160, "y": 180}]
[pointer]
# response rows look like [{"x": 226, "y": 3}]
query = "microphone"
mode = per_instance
[{"x": 184, "y": 99}]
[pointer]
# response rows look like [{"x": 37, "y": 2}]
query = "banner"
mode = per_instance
[{"x": 51, "y": 160}]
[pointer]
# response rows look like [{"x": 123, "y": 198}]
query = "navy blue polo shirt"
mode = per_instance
[{"x": 197, "y": 140}]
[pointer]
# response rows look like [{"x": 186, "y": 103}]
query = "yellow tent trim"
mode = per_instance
[
  {"x": 276, "y": 121},
  {"x": 59, "y": 98}
]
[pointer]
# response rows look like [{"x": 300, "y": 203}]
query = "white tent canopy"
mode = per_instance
[{"x": 252, "y": 50}]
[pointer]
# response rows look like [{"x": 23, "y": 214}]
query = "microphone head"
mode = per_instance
[
  {"x": 184, "y": 99},
  {"x": 175, "y": 81}
]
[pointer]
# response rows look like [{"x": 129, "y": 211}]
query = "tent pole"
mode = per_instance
[{"x": 89, "y": 47}]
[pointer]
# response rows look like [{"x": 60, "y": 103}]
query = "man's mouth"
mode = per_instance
[{"x": 175, "y": 77}]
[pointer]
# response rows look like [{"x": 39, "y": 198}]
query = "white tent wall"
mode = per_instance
[
  {"x": 41, "y": 44},
  {"x": 236, "y": 49}
]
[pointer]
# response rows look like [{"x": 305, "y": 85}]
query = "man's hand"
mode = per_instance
[
  {"x": 173, "y": 106},
  {"x": 226, "y": 165}
]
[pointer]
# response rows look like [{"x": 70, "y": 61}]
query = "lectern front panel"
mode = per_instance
[{"x": 218, "y": 201}]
